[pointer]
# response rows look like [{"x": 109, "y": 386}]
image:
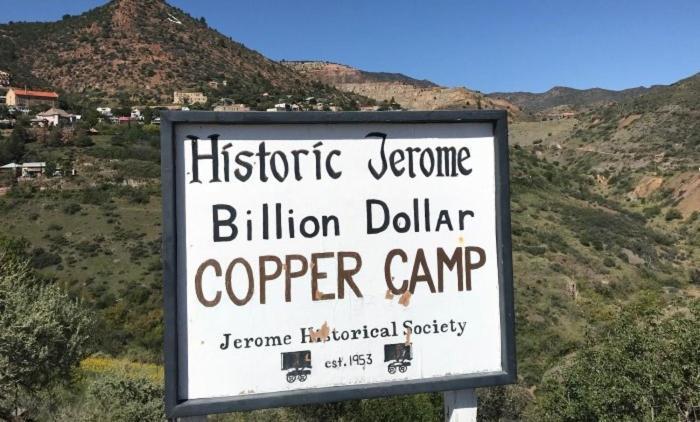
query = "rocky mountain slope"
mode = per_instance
[
  {"x": 411, "y": 94},
  {"x": 144, "y": 49},
  {"x": 566, "y": 98},
  {"x": 643, "y": 149}
]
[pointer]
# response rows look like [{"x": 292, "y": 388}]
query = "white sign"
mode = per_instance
[{"x": 315, "y": 256}]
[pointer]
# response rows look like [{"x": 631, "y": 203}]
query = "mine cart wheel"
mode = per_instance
[
  {"x": 291, "y": 378},
  {"x": 403, "y": 368},
  {"x": 392, "y": 369},
  {"x": 302, "y": 377}
]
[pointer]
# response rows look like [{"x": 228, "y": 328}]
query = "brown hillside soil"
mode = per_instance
[
  {"x": 413, "y": 95},
  {"x": 647, "y": 186},
  {"x": 628, "y": 120},
  {"x": 686, "y": 187},
  {"x": 415, "y": 98}
]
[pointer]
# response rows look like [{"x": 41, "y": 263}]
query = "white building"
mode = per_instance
[
  {"x": 189, "y": 97},
  {"x": 26, "y": 169},
  {"x": 54, "y": 116},
  {"x": 231, "y": 107}
]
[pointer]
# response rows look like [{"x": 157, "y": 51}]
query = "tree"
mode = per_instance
[
  {"x": 55, "y": 138},
  {"x": 90, "y": 118},
  {"x": 123, "y": 111},
  {"x": 12, "y": 149},
  {"x": 645, "y": 366},
  {"x": 82, "y": 139},
  {"x": 50, "y": 168},
  {"x": 43, "y": 333},
  {"x": 147, "y": 115}
]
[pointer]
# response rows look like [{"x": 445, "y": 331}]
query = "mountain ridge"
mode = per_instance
[
  {"x": 410, "y": 93},
  {"x": 573, "y": 98},
  {"x": 144, "y": 50}
]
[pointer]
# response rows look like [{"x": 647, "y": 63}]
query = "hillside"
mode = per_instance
[
  {"x": 579, "y": 257},
  {"x": 411, "y": 94},
  {"x": 566, "y": 98},
  {"x": 144, "y": 50},
  {"x": 594, "y": 232},
  {"x": 644, "y": 149}
]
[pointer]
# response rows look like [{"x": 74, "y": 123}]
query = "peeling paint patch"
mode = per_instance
[
  {"x": 321, "y": 334},
  {"x": 389, "y": 295},
  {"x": 405, "y": 298},
  {"x": 409, "y": 331},
  {"x": 461, "y": 240}
]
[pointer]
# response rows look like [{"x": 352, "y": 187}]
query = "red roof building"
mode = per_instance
[{"x": 27, "y": 98}]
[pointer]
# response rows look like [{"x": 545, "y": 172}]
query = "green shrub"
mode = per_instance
[
  {"x": 43, "y": 334},
  {"x": 695, "y": 276},
  {"x": 673, "y": 214},
  {"x": 651, "y": 212},
  {"x": 42, "y": 259},
  {"x": 643, "y": 367},
  {"x": 72, "y": 208},
  {"x": 119, "y": 396}
]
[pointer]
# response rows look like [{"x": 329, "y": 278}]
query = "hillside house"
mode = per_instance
[
  {"x": 26, "y": 98},
  {"x": 4, "y": 78},
  {"x": 105, "y": 111},
  {"x": 25, "y": 170},
  {"x": 231, "y": 107},
  {"x": 189, "y": 97},
  {"x": 561, "y": 115},
  {"x": 55, "y": 116}
]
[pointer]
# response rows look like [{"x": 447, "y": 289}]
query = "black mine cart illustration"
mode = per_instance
[
  {"x": 298, "y": 364},
  {"x": 399, "y": 355}
]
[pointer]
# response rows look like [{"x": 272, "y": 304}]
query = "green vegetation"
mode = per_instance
[
  {"x": 571, "y": 258},
  {"x": 644, "y": 366},
  {"x": 43, "y": 333}
]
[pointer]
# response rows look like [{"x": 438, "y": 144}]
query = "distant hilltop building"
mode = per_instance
[
  {"x": 232, "y": 107},
  {"x": 26, "y": 98},
  {"x": 4, "y": 78},
  {"x": 180, "y": 97}
]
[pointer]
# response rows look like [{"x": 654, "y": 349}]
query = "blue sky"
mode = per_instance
[{"x": 505, "y": 45}]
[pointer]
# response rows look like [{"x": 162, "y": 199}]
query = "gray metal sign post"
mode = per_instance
[{"x": 460, "y": 405}]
